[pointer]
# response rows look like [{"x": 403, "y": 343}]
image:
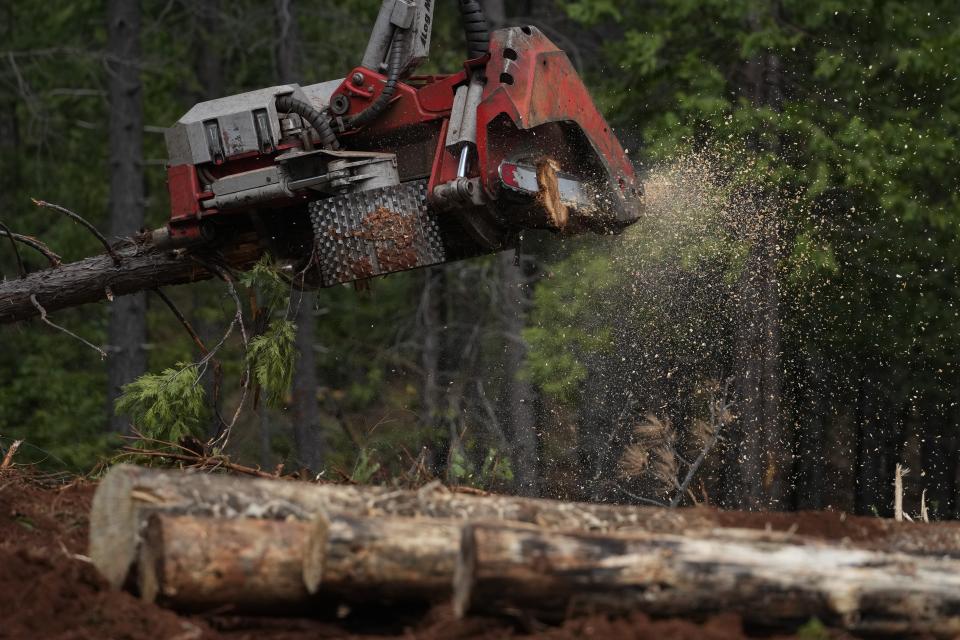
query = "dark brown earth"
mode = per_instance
[{"x": 48, "y": 590}]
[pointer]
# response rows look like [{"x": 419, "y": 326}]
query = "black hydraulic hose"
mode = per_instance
[
  {"x": 475, "y": 28},
  {"x": 319, "y": 121},
  {"x": 394, "y": 67}
]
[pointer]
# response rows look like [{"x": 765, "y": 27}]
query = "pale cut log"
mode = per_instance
[
  {"x": 127, "y": 495},
  {"x": 195, "y": 564},
  {"x": 518, "y": 570},
  {"x": 382, "y": 558},
  {"x": 95, "y": 279}
]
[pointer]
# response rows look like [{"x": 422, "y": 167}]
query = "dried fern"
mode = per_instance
[
  {"x": 651, "y": 452},
  {"x": 634, "y": 461}
]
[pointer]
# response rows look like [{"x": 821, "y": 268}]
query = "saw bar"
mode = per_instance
[{"x": 523, "y": 178}]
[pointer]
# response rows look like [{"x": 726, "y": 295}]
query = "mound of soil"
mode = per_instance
[{"x": 48, "y": 589}]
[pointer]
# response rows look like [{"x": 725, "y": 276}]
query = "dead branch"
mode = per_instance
[
  {"x": 183, "y": 320},
  {"x": 719, "y": 417},
  {"x": 8, "y": 456},
  {"x": 78, "y": 218},
  {"x": 206, "y": 463},
  {"x": 33, "y": 243},
  {"x": 43, "y": 316},
  {"x": 16, "y": 252}
]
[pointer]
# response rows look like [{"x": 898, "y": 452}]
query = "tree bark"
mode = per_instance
[
  {"x": 551, "y": 575},
  {"x": 191, "y": 563},
  {"x": 127, "y": 329},
  {"x": 144, "y": 266},
  {"x": 378, "y": 559}
]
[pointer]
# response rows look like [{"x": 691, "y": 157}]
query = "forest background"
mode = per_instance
[{"x": 798, "y": 263}]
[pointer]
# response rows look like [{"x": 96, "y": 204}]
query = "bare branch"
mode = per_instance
[
  {"x": 183, "y": 320},
  {"x": 16, "y": 252},
  {"x": 719, "y": 417},
  {"x": 43, "y": 316},
  {"x": 33, "y": 243},
  {"x": 77, "y": 218}
]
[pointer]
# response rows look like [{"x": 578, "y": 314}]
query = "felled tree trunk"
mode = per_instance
[
  {"x": 192, "y": 563},
  {"x": 195, "y": 563},
  {"x": 382, "y": 559},
  {"x": 127, "y": 496},
  {"x": 95, "y": 279},
  {"x": 505, "y": 569}
]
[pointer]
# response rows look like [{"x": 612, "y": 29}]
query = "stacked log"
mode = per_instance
[
  {"x": 128, "y": 495},
  {"x": 551, "y": 575},
  {"x": 202, "y": 542}
]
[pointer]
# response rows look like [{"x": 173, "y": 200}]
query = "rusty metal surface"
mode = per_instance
[{"x": 370, "y": 233}]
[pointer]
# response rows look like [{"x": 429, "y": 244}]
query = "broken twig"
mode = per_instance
[
  {"x": 8, "y": 457},
  {"x": 898, "y": 492},
  {"x": 43, "y": 316}
]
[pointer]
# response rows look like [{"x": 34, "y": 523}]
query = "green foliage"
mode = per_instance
[
  {"x": 271, "y": 356},
  {"x": 813, "y": 630},
  {"x": 168, "y": 405},
  {"x": 365, "y": 468},
  {"x": 264, "y": 278},
  {"x": 567, "y": 324}
]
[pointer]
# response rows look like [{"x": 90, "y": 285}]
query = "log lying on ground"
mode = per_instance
[
  {"x": 195, "y": 564},
  {"x": 382, "y": 559},
  {"x": 143, "y": 266},
  {"x": 128, "y": 495},
  {"x": 504, "y": 569}
]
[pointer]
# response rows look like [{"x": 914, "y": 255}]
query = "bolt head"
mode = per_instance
[{"x": 357, "y": 79}]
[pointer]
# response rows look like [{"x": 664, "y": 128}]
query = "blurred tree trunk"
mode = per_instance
[
  {"x": 812, "y": 411},
  {"x": 305, "y": 412},
  {"x": 208, "y": 65},
  {"x": 127, "y": 330},
  {"x": 881, "y": 415},
  {"x": 938, "y": 445},
  {"x": 520, "y": 395},
  {"x": 761, "y": 447},
  {"x": 9, "y": 131},
  {"x": 430, "y": 321},
  {"x": 209, "y": 56}
]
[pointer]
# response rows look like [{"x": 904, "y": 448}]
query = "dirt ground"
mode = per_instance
[{"x": 49, "y": 590}]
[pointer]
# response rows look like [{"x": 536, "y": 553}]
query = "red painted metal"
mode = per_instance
[
  {"x": 184, "y": 188},
  {"x": 533, "y": 83},
  {"x": 529, "y": 83}
]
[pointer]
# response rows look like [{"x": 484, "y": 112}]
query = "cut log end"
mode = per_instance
[{"x": 114, "y": 525}]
